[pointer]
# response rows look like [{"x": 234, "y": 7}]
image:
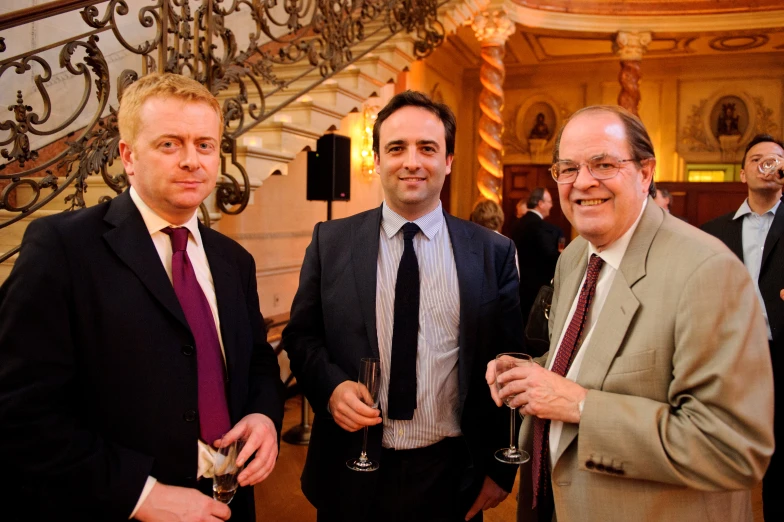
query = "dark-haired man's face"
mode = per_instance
[
  {"x": 750, "y": 173},
  {"x": 412, "y": 161}
]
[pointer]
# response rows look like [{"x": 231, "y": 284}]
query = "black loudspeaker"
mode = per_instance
[{"x": 329, "y": 169}]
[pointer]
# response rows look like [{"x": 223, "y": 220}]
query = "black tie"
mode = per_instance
[{"x": 405, "y": 329}]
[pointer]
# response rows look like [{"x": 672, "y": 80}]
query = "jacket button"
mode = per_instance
[
  {"x": 187, "y": 350},
  {"x": 590, "y": 465},
  {"x": 600, "y": 467},
  {"x": 189, "y": 416}
]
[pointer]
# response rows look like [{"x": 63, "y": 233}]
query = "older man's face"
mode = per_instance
[{"x": 602, "y": 210}]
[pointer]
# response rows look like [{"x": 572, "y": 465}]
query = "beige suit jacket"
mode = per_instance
[{"x": 678, "y": 422}]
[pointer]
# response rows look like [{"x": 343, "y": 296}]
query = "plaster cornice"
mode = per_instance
[{"x": 701, "y": 23}]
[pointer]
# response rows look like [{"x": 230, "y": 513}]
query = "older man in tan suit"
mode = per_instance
[{"x": 655, "y": 401}]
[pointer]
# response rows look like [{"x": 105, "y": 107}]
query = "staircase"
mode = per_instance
[{"x": 299, "y": 113}]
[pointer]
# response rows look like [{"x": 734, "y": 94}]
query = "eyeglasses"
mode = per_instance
[{"x": 604, "y": 167}]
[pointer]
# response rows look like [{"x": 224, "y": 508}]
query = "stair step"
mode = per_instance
[{"x": 285, "y": 137}]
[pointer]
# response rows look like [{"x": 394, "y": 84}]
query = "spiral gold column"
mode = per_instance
[
  {"x": 492, "y": 29},
  {"x": 630, "y": 47}
]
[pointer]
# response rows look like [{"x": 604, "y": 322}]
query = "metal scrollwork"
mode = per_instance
[{"x": 190, "y": 37}]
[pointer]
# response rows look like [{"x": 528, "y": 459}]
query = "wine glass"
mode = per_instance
[
  {"x": 225, "y": 471},
  {"x": 771, "y": 165},
  {"x": 368, "y": 383},
  {"x": 505, "y": 362}
]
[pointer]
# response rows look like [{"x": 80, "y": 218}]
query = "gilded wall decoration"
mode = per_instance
[
  {"x": 764, "y": 123},
  {"x": 695, "y": 136},
  {"x": 530, "y": 128},
  {"x": 725, "y": 123}
]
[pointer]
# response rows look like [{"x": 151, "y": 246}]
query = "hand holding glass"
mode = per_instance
[
  {"x": 368, "y": 384},
  {"x": 225, "y": 471},
  {"x": 503, "y": 363}
]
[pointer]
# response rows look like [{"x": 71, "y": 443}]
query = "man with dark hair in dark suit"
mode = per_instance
[
  {"x": 434, "y": 434},
  {"x": 537, "y": 248},
  {"x": 131, "y": 341},
  {"x": 754, "y": 233}
]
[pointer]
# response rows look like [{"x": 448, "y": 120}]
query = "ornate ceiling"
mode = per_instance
[
  {"x": 651, "y": 7},
  {"x": 557, "y": 31}
]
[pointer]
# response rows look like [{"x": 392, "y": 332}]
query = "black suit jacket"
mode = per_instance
[
  {"x": 771, "y": 282},
  {"x": 537, "y": 252},
  {"x": 333, "y": 325},
  {"x": 98, "y": 382}
]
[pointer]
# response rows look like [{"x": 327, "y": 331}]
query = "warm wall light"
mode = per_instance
[{"x": 369, "y": 115}]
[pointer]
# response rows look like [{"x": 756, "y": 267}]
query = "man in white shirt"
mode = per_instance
[
  {"x": 154, "y": 350},
  {"x": 655, "y": 401},
  {"x": 435, "y": 432},
  {"x": 753, "y": 233}
]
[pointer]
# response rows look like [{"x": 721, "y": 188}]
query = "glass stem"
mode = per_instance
[
  {"x": 512, "y": 447},
  {"x": 364, "y": 445}
]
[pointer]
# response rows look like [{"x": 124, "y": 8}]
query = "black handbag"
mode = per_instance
[{"x": 537, "y": 331}]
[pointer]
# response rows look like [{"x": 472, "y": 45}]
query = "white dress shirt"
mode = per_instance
[
  {"x": 754, "y": 232},
  {"x": 435, "y": 416},
  {"x": 198, "y": 257},
  {"x": 612, "y": 256}
]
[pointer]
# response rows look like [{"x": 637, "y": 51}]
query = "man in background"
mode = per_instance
[
  {"x": 754, "y": 232},
  {"x": 663, "y": 198},
  {"x": 655, "y": 401},
  {"x": 131, "y": 340},
  {"x": 537, "y": 248},
  {"x": 435, "y": 298}
]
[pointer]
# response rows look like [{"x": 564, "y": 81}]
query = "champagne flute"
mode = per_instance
[
  {"x": 225, "y": 471},
  {"x": 368, "y": 382},
  {"x": 505, "y": 362}
]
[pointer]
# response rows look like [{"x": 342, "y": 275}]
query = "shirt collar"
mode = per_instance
[
  {"x": 746, "y": 209},
  {"x": 156, "y": 223},
  {"x": 537, "y": 213},
  {"x": 613, "y": 254},
  {"x": 430, "y": 223}
]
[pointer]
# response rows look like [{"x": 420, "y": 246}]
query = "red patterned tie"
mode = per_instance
[
  {"x": 563, "y": 359},
  {"x": 213, "y": 410}
]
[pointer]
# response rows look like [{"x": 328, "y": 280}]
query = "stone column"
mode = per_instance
[
  {"x": 630, "y": 47},
  {"x": 492, "y": 29}
]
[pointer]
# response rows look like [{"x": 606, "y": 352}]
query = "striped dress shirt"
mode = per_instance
[{"x": 435, "y": 416}]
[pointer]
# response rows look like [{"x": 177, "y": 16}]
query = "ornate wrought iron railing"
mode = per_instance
[{"x": 195, "y": 38}]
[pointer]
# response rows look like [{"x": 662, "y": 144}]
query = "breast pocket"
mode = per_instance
[
  {"x": 633, "y": 363},
  {"x": 635, "y": 374}
]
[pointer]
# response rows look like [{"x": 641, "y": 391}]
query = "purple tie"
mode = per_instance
[
  {"x": 540, "y": 466},
  {"x": 213, "y": 409}
]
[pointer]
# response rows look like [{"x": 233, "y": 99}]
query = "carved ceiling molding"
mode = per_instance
[
  {"x": 652, "y": 7},
  {"x": 631, "y": 46},
  {"x": 612, "y": 23},
  {"x": 738, "y": 43},
  {"x": 677, "y": 46},
  {"x": 456, "y": 14}
]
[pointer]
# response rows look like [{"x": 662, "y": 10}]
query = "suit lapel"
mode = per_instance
[
  {"x": 468, "y": 263},
  {"x": 227, "y": 290},
  {"x": 566, "y": 294},
  {"x": 621, "y": 305},
  {"x": 734, "y": 237},
  {"x": 364, "y": 257},
  {"x": 775, "y": 232},
  {"x": 131, "y": 241}
]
